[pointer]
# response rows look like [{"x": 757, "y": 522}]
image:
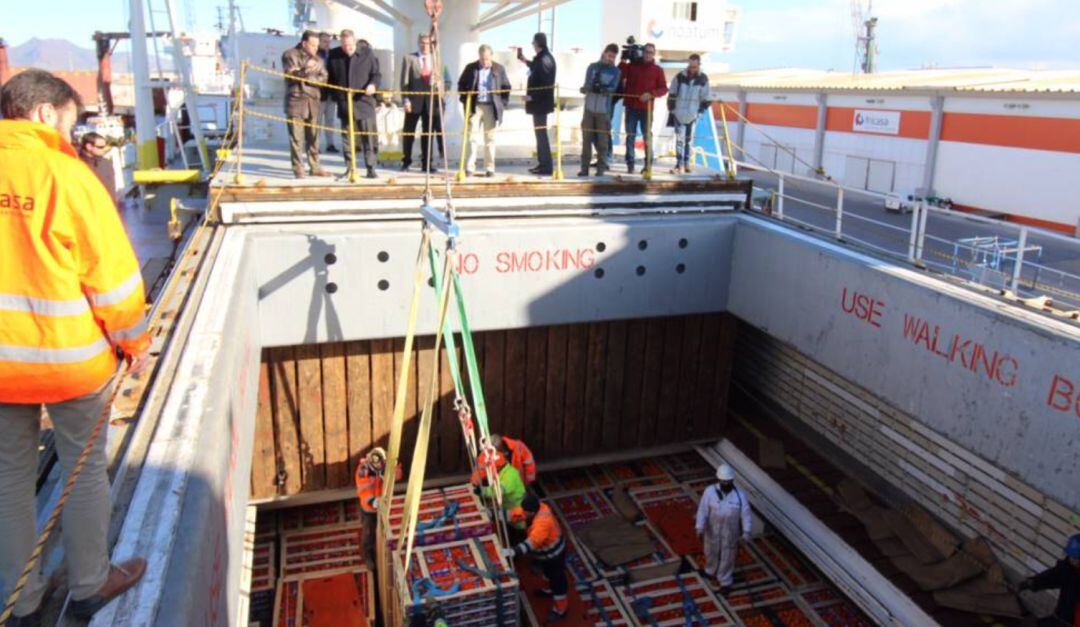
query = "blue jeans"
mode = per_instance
[
  {"x": 638, "y": 119},
  {"x": 684, "y": 143}
]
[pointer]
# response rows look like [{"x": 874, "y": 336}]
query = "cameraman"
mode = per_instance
[
  {"x": 601, "y": 81},
  {"x": 643, "y": 82}
]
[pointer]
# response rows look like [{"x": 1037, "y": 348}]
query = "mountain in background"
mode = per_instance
[{"x": 60, "y": 55}]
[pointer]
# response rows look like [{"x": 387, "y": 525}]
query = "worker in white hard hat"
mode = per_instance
[{"x": 723, "y": 517}]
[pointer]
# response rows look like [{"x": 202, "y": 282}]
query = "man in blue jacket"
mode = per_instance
[
  {"x": 540, "y": 99},
  {"x": 601, "y": 81}
]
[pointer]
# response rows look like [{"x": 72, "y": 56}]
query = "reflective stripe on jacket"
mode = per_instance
[
  {"x": 545, "y": 539},
  {"x": 70, "y": 285},
  {"x": 369, "y": 486}
]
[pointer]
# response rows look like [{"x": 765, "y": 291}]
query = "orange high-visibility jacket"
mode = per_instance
[
  {"x": 520, "y": 457},
  {"x": 545, "y": 539},
  {"x": 369, "y": 485},
  {"x": 70, "y": 287}
]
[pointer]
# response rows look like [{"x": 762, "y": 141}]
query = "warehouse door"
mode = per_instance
[
  {"x": 881, "y": 176},
  {"x": 777, "y": 157},
  {"x": 856, "y": 170}
]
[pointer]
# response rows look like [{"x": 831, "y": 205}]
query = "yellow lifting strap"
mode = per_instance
[
  {"x": 398, "y": 421},
  {"x": 420, "y": 453}
]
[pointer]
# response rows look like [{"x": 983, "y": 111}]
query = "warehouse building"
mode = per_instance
[{"x": 995, "y": 141}]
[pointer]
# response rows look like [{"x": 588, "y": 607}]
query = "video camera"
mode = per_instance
[{"x": 632, "y": 51}]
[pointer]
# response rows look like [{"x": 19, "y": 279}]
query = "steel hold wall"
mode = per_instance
[
  {"x": 988, "y": 379},
  {"x": 963, "y": 490},
  {"x": 516, "y": 273},
  {"x": 187, "y": 514}
]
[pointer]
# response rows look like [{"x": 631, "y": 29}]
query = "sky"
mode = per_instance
[{"x": 818, "y": 34}]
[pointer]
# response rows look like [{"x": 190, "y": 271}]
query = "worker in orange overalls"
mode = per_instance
[
  {"x": 548, "y": 548},
  {"x": 519, "y": 455},
  {"x": 369, "y": 489},
  {"x": 71, "y": 299}
]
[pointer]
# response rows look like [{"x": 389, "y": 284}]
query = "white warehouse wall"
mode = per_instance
[
  {"x": 1033, "y": 183},
  {"x": 909, "y": 155}
]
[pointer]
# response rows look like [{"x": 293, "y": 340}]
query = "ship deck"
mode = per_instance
[{"x": 266, "y": 176}]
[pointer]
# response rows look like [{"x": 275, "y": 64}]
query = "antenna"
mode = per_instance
[{"x": 864, "y": 24}]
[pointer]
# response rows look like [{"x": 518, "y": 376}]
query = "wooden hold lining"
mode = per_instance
[{"x": 567, "y": 390}]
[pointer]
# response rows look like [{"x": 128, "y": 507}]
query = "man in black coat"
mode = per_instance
[
  {"x": 485, "y": 87},
  {"x": 356, "y": 67},
  {"x": 540, "y": 99}
]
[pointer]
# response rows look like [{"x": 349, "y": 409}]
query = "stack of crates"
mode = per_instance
[
  {"x": 445, "y": 515},
  {"x": 468, "y": 582},
  {"x": 322, "y": 572}
]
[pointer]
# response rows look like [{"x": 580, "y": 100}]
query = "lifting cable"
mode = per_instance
[{"x": 444, "y": 221}]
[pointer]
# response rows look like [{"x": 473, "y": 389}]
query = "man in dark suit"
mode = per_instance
[
  {"x": 486, "y": 83},
  {"x": 540, "y": 99},
  {"x": 356, "y": 67},
  {"x": 418, "y": 74}
]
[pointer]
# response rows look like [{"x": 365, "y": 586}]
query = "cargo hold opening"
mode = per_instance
[{"x": 633, "y": 333}]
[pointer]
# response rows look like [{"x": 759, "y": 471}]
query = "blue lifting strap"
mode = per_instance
[
  {"x": 488, "y": 572},
  {"x": 691, "y": 611},
  {"x": 448, "y": 514}
]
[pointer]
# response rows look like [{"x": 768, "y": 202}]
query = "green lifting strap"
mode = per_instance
[
  {"x": 477, "y": 388},
  {"x": 448, "y": 333}
]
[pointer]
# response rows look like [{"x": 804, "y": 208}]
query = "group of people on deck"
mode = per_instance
[{"x": 331, "y": 77}]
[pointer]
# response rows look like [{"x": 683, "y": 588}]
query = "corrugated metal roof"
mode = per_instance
[{"x": 958, "y": 79}]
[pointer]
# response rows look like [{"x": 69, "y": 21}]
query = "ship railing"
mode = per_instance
[{"x": 1027, "y": 262}]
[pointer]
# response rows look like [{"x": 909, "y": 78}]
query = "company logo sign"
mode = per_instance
[
  {"x": 882, "y": 122},
  {"x": 654, "y": 30}
]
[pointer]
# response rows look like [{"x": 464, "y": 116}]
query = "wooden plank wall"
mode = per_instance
[{"x": 567, "y": 389}]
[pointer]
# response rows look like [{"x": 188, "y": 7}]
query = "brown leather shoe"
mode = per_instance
[
  {"x": 298, "y": 173},
  {"x": 319, "y": 172},
  {"x": 121, "y": 577}
]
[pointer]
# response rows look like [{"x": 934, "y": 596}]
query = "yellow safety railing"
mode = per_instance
[{"x": 244, "y": 113}]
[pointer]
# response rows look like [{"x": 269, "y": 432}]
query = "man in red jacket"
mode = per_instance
[{"x": 643, "y": 83}]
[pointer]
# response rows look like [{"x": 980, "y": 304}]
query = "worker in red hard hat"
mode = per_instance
[
  {"x": 723, "y": 517},
  {"x": 521, "y": 458},
  {"x": 546, "y": 545},
  {"x": 1063, "y": 576},
  {"x": 369, "y": 489}
]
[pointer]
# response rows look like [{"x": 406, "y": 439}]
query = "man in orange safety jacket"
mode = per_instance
[
  {"x": 71, "y": 298},
  {"x": 545, "y": 543},
  {"x": 519, "y": 455},
  {"x": 369, "y": 489}
]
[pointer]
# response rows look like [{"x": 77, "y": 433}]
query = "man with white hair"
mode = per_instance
[{"x": 723, "y": 517}]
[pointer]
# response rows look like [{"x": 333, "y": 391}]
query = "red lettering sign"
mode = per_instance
[
  {"x": 998, "y": 367},
  {"x": 1062, "y": 396},
  {"x": 467, "y": 263},
  {"x": 544, "y": 260},
  {"x": 864, "y": 307}
]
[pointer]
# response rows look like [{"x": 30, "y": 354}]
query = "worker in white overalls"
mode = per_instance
[{"x": 723, "y": 517}]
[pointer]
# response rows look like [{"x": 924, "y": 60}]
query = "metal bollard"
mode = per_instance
[
  {"x": 558, "y": 138},
  {"x": 465, "y": 138},
  {"x": 353, "y": 176},
  {"x": 238, "y": 178},
  {"x": 839, "y": 213}
]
